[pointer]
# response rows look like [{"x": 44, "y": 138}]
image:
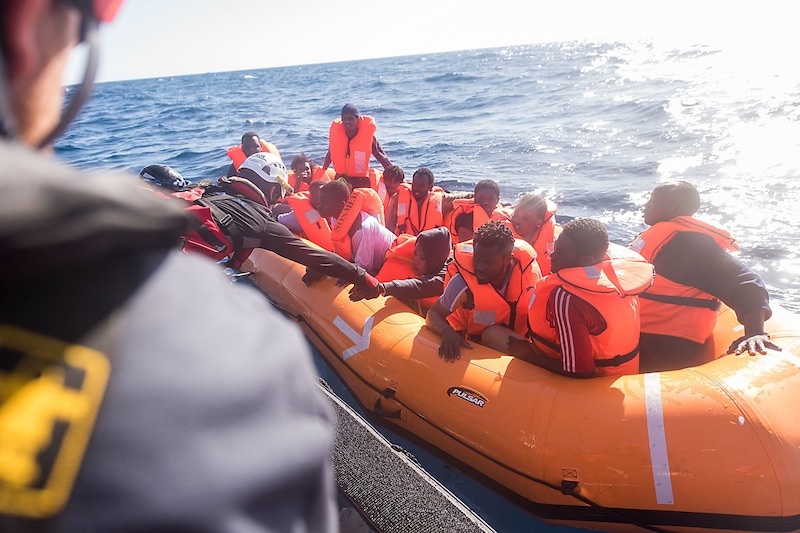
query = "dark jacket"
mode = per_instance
[{"x": 156, "y": 395}]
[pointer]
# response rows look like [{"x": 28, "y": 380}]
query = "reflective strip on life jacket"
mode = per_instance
[
  {"x": 366, "y": 200},
  {"x": 350, "y": 157}
]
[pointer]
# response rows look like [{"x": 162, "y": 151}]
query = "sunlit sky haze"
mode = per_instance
[{"x": 156, "y": 38}]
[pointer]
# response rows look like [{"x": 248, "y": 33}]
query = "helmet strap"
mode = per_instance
[{"x": 83, "y": 90}]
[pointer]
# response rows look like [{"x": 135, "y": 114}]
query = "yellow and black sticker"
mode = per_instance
[{"x": 50, "y": 393}]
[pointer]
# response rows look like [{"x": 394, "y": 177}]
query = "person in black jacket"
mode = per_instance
[
  {"x": 694, "y": 273},
  {"x": 246, "y": 222},
  {"x": 139, "y": 389}
]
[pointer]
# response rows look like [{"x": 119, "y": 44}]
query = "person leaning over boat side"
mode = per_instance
[
  {"x": 469, "y": 214},
  {"x": 534, "y": 221},
  {"x": 483, "y": 292},
  {"x": 358, "y": 233},
  {"x": 583, "y": 318},
  {"x": 233, "y": 224},
  {"x": 351, "y": 141},
  {"x": 414, "y": 270},
  {"x": 694, "y": 272},
  {"x": 304, "y": 218},
  {"x": 251, "y": 144},
  {"x": 114, "y": 417}
]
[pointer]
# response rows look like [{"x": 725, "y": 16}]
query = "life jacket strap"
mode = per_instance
[
  {"x": 226, "y": 224},
  {"x": 617, "y": 360},
  {"x": 686, "y": 301}
]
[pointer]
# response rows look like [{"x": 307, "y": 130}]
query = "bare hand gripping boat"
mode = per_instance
[{"x": 713, "y": 447}]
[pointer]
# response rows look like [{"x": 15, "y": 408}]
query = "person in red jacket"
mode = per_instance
[{"x": 584, "y": 317}]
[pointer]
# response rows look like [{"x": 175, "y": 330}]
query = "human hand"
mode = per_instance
[
  {"x": 754, "y": 344},
  {"x": 311, "y": 276},
  {"x": 518, "y": 347},
  {"x": 368, "y": 287},
  {"x": 450, "y": 348}
]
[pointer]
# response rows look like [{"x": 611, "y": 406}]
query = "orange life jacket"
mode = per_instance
[
  {"x": 316, "y": 175},
  {"x": 612, "y": 287},
  {"x": 490, "y": 307},
  {"x": 479, "y": 216},
  {"x": 385, "y": 195},
  {"x": 315, "y": 228},
  {"x": 366, "y": 200},
  {"x": 544, "y": 240},
  {"x": 350, "y": 157},
  {"x": 670, "y": 308},
  {"x": 398, "y": 265},
  {"x": 413, "y": 220},
  {"x": 236, "y": 154}
]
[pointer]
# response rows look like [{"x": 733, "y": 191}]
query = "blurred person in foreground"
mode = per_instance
[{"x": 115, "y": 413}]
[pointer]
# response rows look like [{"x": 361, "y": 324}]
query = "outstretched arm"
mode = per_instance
[{"x": 279, "y": 239}]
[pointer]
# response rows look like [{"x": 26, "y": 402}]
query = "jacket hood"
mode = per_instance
[
  {"x": 436, "y": 245},
  {"x": 53, "y": 216}
]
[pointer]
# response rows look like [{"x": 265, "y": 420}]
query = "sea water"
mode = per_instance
[{"x": 591, "y": 126}]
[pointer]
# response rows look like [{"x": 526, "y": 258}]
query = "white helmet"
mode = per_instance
[{"x": 268, "y": 167}]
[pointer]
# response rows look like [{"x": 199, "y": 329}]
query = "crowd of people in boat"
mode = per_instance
[{"x": 508, "y": 277}]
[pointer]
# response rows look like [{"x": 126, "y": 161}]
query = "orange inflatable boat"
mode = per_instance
[{"x": 713, "y": 447}]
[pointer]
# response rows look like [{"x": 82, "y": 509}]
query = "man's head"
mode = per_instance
[
  {"x": 393, "y": 176},
  {"x": 529, "y": 215},
  {"x": 487, "y": 195},
  {"x": 431, "y": 251},
  {"x": 333, "y": 197},
  {"x": 314, "y": 193},
  {"x": 36, "y": 41},
  {"x": 582, "y": 242},
  {"x": 302, "y": 167},
  {"x": 493, "y": 247},
  {"x": 421, "y": 183},
  {"x": 251, "y": 143},
  {"x": 350, "y": 116},
  {"x": 669, "y": 200}
]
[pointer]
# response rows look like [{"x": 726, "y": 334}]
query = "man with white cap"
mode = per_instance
[{"x": 233, "y": 216}]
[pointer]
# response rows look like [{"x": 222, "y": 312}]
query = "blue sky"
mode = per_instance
[{"x": 153, "y": 38}]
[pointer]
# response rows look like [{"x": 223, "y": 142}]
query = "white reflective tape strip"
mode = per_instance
[
  {"x": 361, "y": 341},
  {"x": 657, "y": 439}
]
